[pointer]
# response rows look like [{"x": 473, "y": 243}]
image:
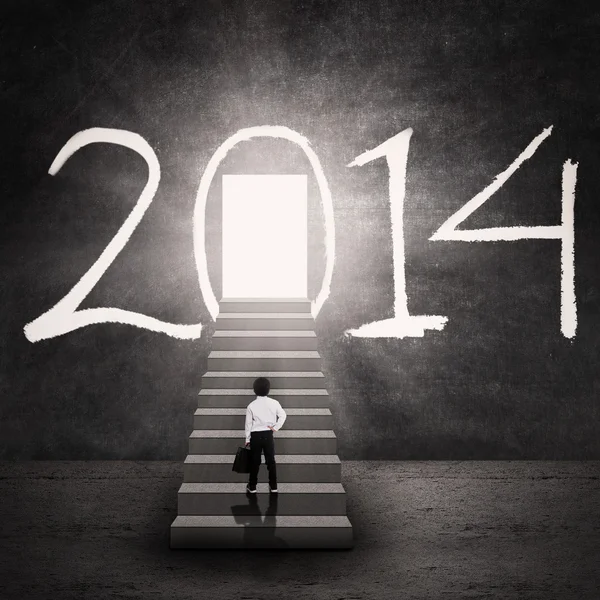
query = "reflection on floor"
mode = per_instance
[{"x": 422, "y": 530}]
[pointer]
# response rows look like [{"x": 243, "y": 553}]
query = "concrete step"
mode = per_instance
[
  {"x": 264, "y": 340},
  {"x": 288, "y": 398},
  {"x": 272, "y": 305},
  {"x": 295, "y": 441},
  {"x": 261, "y": 321},
  {"x": 279, "y": 379},
  {"x": 244, "y": 530},
  {"x": 291, "y": 468},
  {"x": 235, "y": 418},
  {"x": 293, "y": 499},
  {"x": 266, "y": 360}
]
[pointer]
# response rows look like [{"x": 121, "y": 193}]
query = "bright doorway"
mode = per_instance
[{"x": 265, "y": 236}]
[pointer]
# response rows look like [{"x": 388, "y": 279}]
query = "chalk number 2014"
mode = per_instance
[{"x": 64, "y": 316}]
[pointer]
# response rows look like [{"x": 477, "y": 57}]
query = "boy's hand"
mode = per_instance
[
  {"x": 247, "y": 444},
  {"x": 271, "y": 428}
]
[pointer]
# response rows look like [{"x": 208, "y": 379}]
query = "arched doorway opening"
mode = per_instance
[{"x": 264, "y": 236}]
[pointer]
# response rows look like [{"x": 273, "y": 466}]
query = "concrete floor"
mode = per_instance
[{"x": 422, "y": 530}]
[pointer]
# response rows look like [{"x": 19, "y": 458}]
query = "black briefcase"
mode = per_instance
[{"x": 241, "y": 464}]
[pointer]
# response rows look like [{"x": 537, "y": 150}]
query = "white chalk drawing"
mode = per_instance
[
  {"x": 568, "y": 302},
  {"x": 269, "y": 131},
  {"x": 402, "y": 324},
  {"x": 64, "y": 316},
  {"x": 564, "y": 232}
]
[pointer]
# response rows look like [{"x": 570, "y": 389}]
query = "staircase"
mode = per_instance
[{"x": 276, "y": 339}]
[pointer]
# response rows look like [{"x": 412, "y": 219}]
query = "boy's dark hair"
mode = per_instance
[{"x": 261, "y": 386}]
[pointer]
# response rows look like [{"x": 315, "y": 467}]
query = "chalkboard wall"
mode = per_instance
[{"x": 476, "y": 82}]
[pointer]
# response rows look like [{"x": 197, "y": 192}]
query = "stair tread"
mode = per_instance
[
  {"x": 281, "y": 459},
  {"x": 257, "y": 521},
  {"x": 265, "y": 315},
  {"x": 261, "y": 300},
  {"x": 242, "y": 411},
  {"x": 263, "y": 374},
  {"x": 273, "y": 392},
  {"x": 287, "y": 434},
  {"x": 283, "y": 488},
  {"x": 264, "y": 354},
  {"x": 264, "y": 333}
]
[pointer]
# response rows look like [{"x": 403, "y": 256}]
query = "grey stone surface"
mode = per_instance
[
  {"x": 304, "y": 441},
  {"x": 229, "y": 339},
  {"x": 288, "y": 398},
  {"x": 262, "y": 488},
  {"x": 268, "y": 301},
  {"x": 246, "y": 530},
  {"x": 298, "y": 459},
  {"x": 282, "y": 375},
  {"x": 270, "y": 360},
  {"x": 293, "y": 503},
  {"x": 245, "y": 379},
  {"x": 291, "y": 468},
  {"x": 238, "y": 401},
  {"x": 284, "y": 521},
  {"x": 262, "y": 321},
  {"x": 273, "y": 333},
  {"x": 240, "y": 398},
  {"x": 281, "y": 434},
  {"x": 274, "y": 392},
  {"x": 422, "y": 530},
  {"x": 301, "y": 418},
  {"x": 264, "y": 305},
  {"x": 242, "y": 412},
  {"x": 265, "y": 315},
  {"x": 263, "y": 354}
]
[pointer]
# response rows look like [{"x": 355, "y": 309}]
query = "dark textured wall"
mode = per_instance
[{"x": 476, "y": 82}]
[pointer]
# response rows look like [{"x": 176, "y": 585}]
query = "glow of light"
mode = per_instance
[
  {"x": 249, "y": 133},
  {"x": 265, "y": 236}
]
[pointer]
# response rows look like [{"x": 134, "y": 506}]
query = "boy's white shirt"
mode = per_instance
[{"x": 262, "y": 412}]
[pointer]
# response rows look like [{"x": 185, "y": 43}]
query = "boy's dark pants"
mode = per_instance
[{"x": 262, "y": 441}]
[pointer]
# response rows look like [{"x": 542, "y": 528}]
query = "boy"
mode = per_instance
[{"x": 264, "y": 415}]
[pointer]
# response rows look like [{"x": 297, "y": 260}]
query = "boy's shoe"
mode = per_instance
[
  {"x": 273, "y": 490},
  {"x": 251, "y": 490}
]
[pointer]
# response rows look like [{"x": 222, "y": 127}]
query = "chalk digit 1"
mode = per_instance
[
  {"x": 564, "y": 232},
  {"x": 402, "y": 324},
  {"x": 64, "y": 316}
]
